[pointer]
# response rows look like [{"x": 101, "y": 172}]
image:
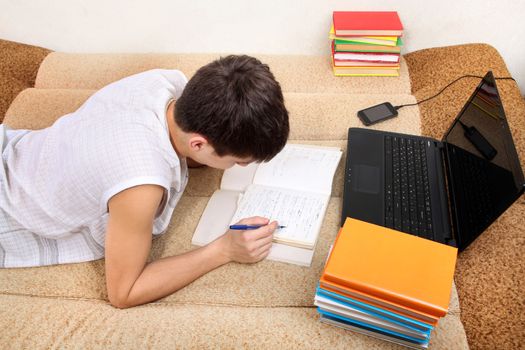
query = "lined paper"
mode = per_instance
[
  {"x": 300, "y": 167},
  {"x": 300, "y": 212}
]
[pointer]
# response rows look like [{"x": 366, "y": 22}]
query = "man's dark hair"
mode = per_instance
[{"x": 236, "y": 103}]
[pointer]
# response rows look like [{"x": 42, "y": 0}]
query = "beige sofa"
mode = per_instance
[{"x": 264, "y": 305}]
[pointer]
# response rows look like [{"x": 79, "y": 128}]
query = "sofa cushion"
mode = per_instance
[
  {"x": 38, "y": 108},
  {"x": 49, "y": 323},
  {"x": 294, "y": 73}
]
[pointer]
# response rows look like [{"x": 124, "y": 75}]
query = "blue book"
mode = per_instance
[
  {"x": 372, "y": 328},
  {"x": 376, "y": 311},
  {"x": 330, "y": 306},
  {"x": 336, "y": 323},
  {"x": 333, "y": 307}
]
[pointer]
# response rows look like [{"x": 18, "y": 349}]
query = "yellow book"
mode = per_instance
[
  {"x": 393, "y": 266},
  {"x": 374, "y": 40},
  {"x": 364, "y": 71}
]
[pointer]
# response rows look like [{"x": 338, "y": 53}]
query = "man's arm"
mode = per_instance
[{"x": 131, "y": 281}]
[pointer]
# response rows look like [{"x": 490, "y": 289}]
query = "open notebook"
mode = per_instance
[{"x": 293, "y": 188}]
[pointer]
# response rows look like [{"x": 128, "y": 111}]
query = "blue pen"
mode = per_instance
[{"x": 249, "y": 227}]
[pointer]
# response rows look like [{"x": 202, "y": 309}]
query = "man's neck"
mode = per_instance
[
  {"x": 177, "y": 137},
  {"x": 174, "y": 130}
]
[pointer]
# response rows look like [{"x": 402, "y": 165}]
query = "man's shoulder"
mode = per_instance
[
  {"x": 172, "y": 75},
  {"x": 141, "y": 199},
  {"x": 146, "y": 80},
  {"x": 152, "y": 83}
]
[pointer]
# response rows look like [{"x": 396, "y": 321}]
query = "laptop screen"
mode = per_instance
[{"x": 484, "y": 173}]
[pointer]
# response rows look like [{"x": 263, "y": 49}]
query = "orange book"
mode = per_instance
[
  {"x": 392, "y": 307},
  {"x": 388, "y": 305},
  {"x": 392, "y": 266}
]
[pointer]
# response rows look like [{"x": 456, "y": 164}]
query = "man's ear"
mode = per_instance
[{"x": 197, "y": 142}]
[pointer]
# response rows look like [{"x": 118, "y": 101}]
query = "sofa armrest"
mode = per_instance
[
  {"x": 19, "y": 64},
  {"x": 488, "y": 271}
]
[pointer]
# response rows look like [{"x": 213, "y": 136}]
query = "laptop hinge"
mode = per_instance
[{"x": 446, "y": 199}]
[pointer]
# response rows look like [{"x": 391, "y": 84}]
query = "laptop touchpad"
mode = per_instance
[{"x": 365, "y": 179}]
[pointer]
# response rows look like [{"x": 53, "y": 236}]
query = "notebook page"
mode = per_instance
[
  {"x": 215, "y": 219},
  {"x": 238, "y": 178},
  {"x": 300, "y": 167},
  {"x": 301, "y": 212}
]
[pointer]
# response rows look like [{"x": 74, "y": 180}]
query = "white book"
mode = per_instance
[
  {"x": 392, "y": 58},
  {"x": 293, "y": 188}
]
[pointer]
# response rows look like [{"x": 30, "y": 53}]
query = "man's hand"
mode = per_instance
[{"x": 248, "y": 246}]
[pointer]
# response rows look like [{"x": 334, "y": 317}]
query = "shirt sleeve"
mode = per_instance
[{"x": 134, "y": 158}]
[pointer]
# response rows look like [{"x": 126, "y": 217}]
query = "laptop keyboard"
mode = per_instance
[{"x": 407, "y": 190}]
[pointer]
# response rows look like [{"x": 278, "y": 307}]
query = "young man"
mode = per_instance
[{"x": 102, "y": 180}]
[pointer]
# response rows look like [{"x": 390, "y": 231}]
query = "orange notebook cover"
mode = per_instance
[
  {"x": 392, "y": 307},
  {"x": 393, "y": 266},
  {"x": 367, "y": 23}
]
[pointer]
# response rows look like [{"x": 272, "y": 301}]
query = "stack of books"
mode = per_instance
[
  {"x": 366, "y": 43},
  {"x": 385, "y": 283}
]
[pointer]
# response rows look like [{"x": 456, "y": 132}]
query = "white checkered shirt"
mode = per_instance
[{"x": 55, "y": 183}]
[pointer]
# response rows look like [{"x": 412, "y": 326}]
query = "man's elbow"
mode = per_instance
[
  {"x": 120, "y": 300},
  {"x": 120, "y": 303}
]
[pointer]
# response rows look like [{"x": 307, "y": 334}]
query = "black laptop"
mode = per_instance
[{"x": 448, "y": 191}]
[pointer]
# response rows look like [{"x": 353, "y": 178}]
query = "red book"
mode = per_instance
[
  {"x": 363, "y": 23},
  {"x": 378, "y": 57},
  {"x": 354, "y": 63}
]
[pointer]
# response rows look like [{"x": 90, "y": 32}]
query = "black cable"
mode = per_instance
[{"x": 443, "y": 89}]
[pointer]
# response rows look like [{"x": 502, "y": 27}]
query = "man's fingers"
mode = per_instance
[
  {"x": 265, "y": 247},
  {"x": 254, "y": 220},
  {"x": 263, "y": 232},
  {"x": 264, "y": 251},
  {"x": 264, "y": 241}
]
